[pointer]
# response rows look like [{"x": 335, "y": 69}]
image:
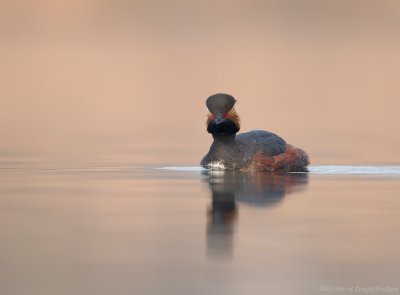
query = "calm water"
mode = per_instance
[
  {"x": 107, "y": 229},
  {"x": 88, "y": 85}
]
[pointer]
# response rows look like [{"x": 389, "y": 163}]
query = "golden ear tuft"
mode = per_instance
[
  {"x": 209, "y": 118},
  {"x": 233, "y": 115}
]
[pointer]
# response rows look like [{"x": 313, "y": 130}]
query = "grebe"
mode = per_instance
[{"x": 252, "y": 151}]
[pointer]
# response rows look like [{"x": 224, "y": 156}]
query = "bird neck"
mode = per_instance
[{"x": 224, "y": 140}]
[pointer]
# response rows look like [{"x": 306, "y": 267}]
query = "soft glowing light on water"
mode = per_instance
[{"x": 321, "y": 169}]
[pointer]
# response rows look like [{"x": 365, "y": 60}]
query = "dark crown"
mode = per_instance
[{"x": 220, "y": 103}]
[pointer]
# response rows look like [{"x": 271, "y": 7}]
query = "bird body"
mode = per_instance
[{"x": 252, "y": 151}]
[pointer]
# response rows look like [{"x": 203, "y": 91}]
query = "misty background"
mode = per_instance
[{"x": 126, "y": 81}]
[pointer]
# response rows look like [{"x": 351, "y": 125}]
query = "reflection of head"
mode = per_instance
[
  {"x": 257, "y": 189},
  {"x": 221, "y": 219}
]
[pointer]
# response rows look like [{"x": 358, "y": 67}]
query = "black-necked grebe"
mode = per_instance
[{"x": 256, "y": 150}]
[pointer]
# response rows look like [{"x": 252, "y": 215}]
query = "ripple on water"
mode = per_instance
[{"x": 321, "y": 169}]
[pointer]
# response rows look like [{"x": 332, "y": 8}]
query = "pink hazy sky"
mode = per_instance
[{"x": 83, "y": 79}]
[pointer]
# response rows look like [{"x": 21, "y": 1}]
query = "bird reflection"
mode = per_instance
[{"x": 256, "y": 189}]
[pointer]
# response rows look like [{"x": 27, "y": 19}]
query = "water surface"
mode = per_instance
[{"x": 112, "y": 229}]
